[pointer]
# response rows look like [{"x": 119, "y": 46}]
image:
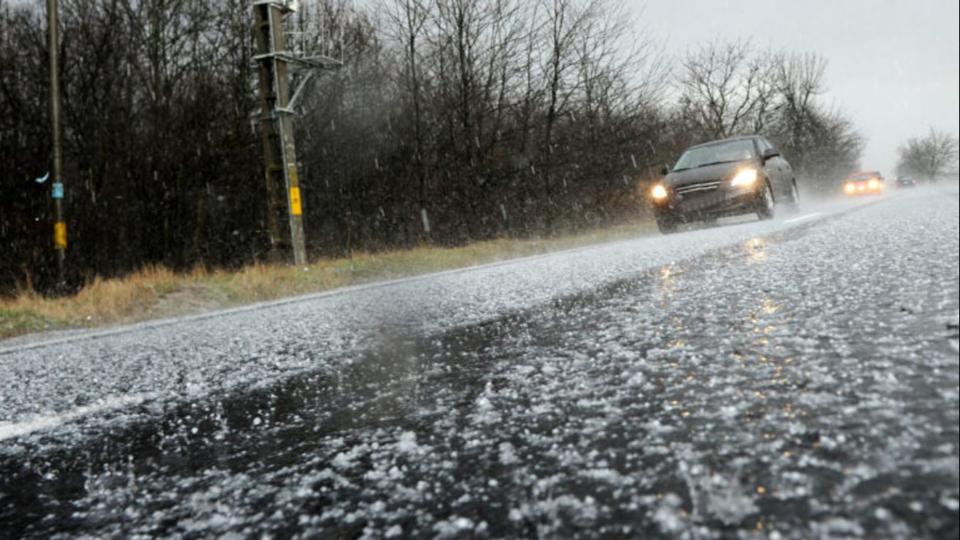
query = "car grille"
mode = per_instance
[
  {"x": 697, "y": 197},
  {"x": 694, "y": 188}
]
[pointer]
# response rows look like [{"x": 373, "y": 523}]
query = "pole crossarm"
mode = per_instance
[
  {"x": 313, "y": 62},
  {"x": 299, "y": 63},
  {"x": 285, "y": 6}
]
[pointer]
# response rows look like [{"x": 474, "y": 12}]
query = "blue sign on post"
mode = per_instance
[{"x": 57, "y": 190}]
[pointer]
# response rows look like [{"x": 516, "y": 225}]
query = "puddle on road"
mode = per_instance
[{"x": 269, "y": 427}]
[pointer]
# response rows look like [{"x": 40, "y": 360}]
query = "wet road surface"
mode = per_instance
[{"x": 788, "y": 379}]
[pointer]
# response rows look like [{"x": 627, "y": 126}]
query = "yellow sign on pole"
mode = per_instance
[
  {"x": 295, "y": 207},
  {"x": 60, "y": 235}
]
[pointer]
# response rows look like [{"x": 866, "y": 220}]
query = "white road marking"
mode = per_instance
[
  {"x": 803, "y": 218},
  {"x": 9, "y": 430}
]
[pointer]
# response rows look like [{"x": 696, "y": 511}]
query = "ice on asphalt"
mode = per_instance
[{"x": 757, "y": 380}]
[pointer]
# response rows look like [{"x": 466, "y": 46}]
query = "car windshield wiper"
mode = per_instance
[
  {"x": 718, "y": 162},
  {"x": 707, "y": 164}
]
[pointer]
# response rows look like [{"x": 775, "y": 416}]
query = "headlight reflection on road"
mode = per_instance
[
  {"x": 667, "y": 282},
  {"x": 763, "y": 326},
  {"x": 756, "y": 250}
]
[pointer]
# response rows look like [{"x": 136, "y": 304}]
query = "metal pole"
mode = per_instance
[
  {"x": 288, "y": 149},
  {"x": 276, "y": 128},
  {"x": 268, "y": 132},
  {"x": 60, "y": 225}
]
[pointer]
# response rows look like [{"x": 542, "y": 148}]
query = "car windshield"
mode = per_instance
[{"x": 716, "y": 153}]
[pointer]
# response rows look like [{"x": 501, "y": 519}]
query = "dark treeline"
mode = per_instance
[
  {"x": 160, "y": 163},
  {"x": 450, "y": 121}
]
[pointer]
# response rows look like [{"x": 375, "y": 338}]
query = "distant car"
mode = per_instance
[
  {"x": 733, "y": 176},
  {"x": 905, "y": 181},
  {"x": 864, "y": 183}
]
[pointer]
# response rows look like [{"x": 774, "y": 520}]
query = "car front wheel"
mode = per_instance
[
  {"x": 666, "y": 224},
  {"x": 794, "y": 193},
  {"x": 765, "y": 203}
]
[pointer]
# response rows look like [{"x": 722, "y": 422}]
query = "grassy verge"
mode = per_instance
[{"x": 157, "y": 292}]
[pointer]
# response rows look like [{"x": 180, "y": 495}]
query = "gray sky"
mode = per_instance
[{"x": 892, "y": 64}]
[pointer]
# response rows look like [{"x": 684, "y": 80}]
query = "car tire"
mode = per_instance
[
  {"x": 794, "y": 193},
  {"x": 666, "y": 225},
  {"x": 792, "y": 197},
  {"x": 765, "y": 202}
]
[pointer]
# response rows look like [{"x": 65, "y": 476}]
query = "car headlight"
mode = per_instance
[
  {"x": 744, "y": 178},
  {"x": 849, "y": 187},
  {"x": 659, "y": 192},
  {"x": 873, "y": 184}
]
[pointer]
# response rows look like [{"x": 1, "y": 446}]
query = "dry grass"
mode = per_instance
[
  {"x": 101, "y": 301},
  {"x": 159, "y": 292}
]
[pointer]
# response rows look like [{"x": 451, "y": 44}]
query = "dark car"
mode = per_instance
[
  {"x": 733, "y": 176},
  {"x": 905, "y": 181}
]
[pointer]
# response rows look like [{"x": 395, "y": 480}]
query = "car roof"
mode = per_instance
[
  {"x": 864, "y": 174},
  {"x": 728, "y": 139}
]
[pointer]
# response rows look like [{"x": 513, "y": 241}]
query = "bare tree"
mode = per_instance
[
  {"x": 725, "y": 88},
  {"x": 565, "y": 20},
  {"x": 730, "y": 88},
  {"x": 407, "y": 18},
  {"x": 798, "y": 121},
  {"x": 832, "y": 151},
  {"x": 929, "y": 157}
]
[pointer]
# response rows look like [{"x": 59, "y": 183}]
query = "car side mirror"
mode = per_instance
[
  {"x": 664, "y": 170},
  {"x": 769, "y": 153}
]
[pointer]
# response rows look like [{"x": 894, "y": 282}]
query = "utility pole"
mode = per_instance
[
  {"x": 59, "y": 226},
  {"x": 274, "y": 64}
]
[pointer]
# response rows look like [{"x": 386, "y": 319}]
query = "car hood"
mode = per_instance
[{"x": 719, "y": 171}]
